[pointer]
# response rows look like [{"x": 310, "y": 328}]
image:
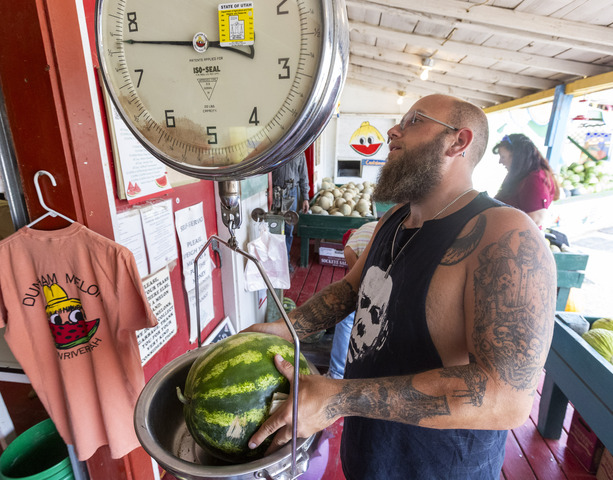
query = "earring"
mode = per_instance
[{"x": 464, "y": 154}]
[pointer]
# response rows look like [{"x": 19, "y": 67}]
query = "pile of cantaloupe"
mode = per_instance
[
  {"x": 600, "y": 337},
  {"x": 349, "y": 200}
]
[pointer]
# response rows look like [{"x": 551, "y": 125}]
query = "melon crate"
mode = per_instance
[
  {"x": 330, "y": 227},
  {"x": 575, "y": 372},
  {"x": 324, "y": 227}
]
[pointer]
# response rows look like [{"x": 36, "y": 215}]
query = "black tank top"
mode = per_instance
[{"x": 390, "y": 337}]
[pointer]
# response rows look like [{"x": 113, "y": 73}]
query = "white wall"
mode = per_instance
[
  {"x": 242, "y": 307},
  {"x": 357, "y": 99}
]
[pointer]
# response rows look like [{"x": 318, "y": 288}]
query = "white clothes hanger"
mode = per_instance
[{"x": 50, "y": 211}]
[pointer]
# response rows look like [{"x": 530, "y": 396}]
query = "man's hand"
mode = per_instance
[
  {"x": 305, "y": 206},
  {"x": 278, "y": 328},
  {"x": 314, "y": 393}
]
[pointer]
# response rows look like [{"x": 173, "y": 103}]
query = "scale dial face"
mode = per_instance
[{"x": 223, "y": 90}]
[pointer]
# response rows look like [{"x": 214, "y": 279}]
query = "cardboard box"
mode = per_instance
[
  {"x": 331, "y": 253},
  {"x": 584, "y": 443},
  {"x": 605, "y": 469}
]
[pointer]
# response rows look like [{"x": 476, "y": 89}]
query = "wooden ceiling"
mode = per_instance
[{"x": 488, "y": 52}]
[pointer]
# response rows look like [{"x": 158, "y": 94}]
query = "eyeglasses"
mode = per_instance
[{"x": 411, "y": 119}]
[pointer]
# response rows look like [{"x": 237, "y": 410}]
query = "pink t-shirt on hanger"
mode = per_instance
[{"x": 71, "y": 301}]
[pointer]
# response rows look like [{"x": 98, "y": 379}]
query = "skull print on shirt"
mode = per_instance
[{"x": 371, "y": 328}]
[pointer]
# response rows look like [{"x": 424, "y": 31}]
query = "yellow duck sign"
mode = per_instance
[{"x": 366, "y": 140}]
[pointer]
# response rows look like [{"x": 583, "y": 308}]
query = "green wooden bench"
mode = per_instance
[
  {"x": 330, "y": 227},
  {"x": 571, "y": 273},
  {"x": 324, "y": 226}
]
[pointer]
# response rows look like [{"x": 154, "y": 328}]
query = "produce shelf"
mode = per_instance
[
  {"x": 330, "y": 227},
  {"x": 575, "y": 372}
]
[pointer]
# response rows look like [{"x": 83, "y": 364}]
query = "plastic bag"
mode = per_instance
[{"x": 270, "y": 250}]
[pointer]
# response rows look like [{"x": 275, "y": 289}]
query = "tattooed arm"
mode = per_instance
[
  {"x": 323, "y": 310},
  {"x": 327, "y": 307},
  {"x": 508, "y": 296}
]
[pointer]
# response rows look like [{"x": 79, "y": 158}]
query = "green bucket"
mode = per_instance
[{"x": 39, "y": 453}]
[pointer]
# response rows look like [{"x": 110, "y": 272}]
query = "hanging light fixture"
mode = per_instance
[
  {"x": 400, "y": 98},
  {"x": 426, "y": 65}
]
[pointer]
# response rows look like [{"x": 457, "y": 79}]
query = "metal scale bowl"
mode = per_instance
[
  {"x": 162, "y": 431},
  {"x": 161, "y": 428}
]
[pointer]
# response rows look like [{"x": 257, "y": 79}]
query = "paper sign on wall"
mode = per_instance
[
  {"x": 130, "y": 235},
  {"x": 158, "y": 226},
  {"x": 159, "y": 294},
  {"x": 139, "y": 174},
  {"x": 363, "y": 137},
  {"x": 191, "y": 230}
]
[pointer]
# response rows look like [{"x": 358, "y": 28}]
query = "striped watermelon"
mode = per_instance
[{"x": 229, "y": 390}]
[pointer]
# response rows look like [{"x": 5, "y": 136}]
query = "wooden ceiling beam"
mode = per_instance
[
  {"x": 590, "y": 85},
  {"x": 506, "y": 30},
  {"x": 532, "y": 100},
  {"x": 485, "y": 75},
  {"x": 400, "y": 82},
  {"x": 435, "y": 77},
  {"x": 365, "y": 81},
  {"x": 480, "y": 13},
  {"x": 497, "y": 54},
  {"x": 371, "y": 83},
  {"x": 372, "y": 80},
  {"x": 583, "y": 86}
]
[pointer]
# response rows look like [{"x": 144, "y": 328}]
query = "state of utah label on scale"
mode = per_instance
[{"x": 223, "y": 91}]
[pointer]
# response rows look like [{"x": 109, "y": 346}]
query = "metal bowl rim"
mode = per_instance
[{"x": 172, "y": 462}]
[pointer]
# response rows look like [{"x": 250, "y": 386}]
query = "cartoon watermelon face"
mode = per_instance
[
  {"x": 67, "y": 320},
  {"x": 70, "y": 335}
]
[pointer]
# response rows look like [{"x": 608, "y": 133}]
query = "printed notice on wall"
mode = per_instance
[
  {"x": 130, "y": 235},
  {"x": 140, "y": 174},
  {"x": 191, "y": 230},
  {"x": 159, "y": 231},
  {"x": 159, "y": 294}
]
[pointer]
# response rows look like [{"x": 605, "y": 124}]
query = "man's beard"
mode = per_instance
[{"x": 412, "y": 175}]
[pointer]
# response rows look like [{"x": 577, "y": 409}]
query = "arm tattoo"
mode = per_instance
[
  {"x": 394, "y": 399},
  {"x": 462, "y": 247},
  {"x": 514, "y": 307},
  {"x": 325, "y": 309},
  {"x": 475, "y": 379}
]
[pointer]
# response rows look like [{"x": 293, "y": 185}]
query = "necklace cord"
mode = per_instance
[{"x": 392, "y": 258}]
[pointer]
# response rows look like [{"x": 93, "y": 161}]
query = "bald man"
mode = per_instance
[{"x": 455, "y": 299}]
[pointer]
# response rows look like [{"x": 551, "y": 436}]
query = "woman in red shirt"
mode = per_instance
[{"x": 530, "y": 184}]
